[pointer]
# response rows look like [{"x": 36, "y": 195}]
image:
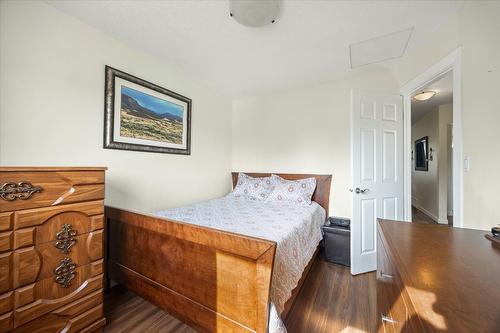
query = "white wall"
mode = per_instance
[
  {"x": 52, "y": 109},
  {"x": 304, "y": 130},
  {"x": 445, "y": 118},
  {"x": 475, "y": 28},
  {"x": 449, "y": 204},
  {"x": 51, "y": 112}
]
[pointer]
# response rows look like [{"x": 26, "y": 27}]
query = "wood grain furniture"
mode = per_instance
[
  {"x": 329, "y": 302},
  {"x": 51, "y": 249},
  {"x": 433, "y": 278},
  {"x": 213, "y": 280}
]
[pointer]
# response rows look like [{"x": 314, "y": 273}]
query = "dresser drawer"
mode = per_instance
[
  {"x": 6, "y": 272},
  {"x": 51, "y": 249},
  {"x": 6, "y": 302},
  {"x": 95, "y": 327},
  {"x": 393, "y": 311},
  {"x": 73, "y": 317},
  {"x": 36, "y": 226},
  {"x": 6, "y": 221},
  {"x": 44, "y": 296},
  {"x": 6, "y": 240},
  {"x": 24, "y": 190},
  {"x": 39, "y": 262},
  {"x": 6, "y": 322}
]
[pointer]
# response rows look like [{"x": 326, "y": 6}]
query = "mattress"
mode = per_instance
[{"x": 294, "y": 227}]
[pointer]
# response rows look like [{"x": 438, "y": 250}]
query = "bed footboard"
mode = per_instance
[{"x": 214, "y": 281}]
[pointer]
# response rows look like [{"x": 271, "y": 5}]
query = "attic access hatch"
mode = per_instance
[{"x": 380, "y": 48}]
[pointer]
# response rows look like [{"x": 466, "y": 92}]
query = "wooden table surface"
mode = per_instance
[{"x": 452, "y": 275}]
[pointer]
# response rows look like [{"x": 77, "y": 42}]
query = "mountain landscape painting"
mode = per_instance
[
  {"x": 142, "y": 116},
  {"x": 147, "y": 117}
]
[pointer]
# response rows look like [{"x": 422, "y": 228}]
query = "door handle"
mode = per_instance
[
  {"x": 357, "y": 190},
  {"x": 388, "y": 319}
]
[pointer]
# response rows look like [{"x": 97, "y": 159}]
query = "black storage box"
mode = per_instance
[{"x": 337, "y": 241}]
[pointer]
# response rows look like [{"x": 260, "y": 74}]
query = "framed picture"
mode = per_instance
[
  {"x": 141, "y": 116},
  {"x": 422, "y": 154}
]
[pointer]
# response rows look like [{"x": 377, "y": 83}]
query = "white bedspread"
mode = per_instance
[{"x": 295, "y": 228}]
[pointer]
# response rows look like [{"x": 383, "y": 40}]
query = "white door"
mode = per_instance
[{"x": 377, "y": 171}]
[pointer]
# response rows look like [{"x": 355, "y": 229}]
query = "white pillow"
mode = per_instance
[
  {"x": 253, "y": 188},
  {"x": 299, "y": 191}
]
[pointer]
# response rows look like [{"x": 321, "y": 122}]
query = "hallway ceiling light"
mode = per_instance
[
  {"x": 254, "y": 13},
  {"x": 424, "y": 95}
]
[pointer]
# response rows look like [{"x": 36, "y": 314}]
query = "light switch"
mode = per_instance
[{"x": 466, "y": 163}]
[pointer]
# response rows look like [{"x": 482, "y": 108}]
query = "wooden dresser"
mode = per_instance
[
  {"x": 433, "y": 278},
  {"x": 51, "y": 249}
]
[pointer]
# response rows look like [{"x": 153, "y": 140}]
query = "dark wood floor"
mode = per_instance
[
  {"x": 126, "y": 312},
  {"x": 417, "y": 216},
  {"x": 331, "y": 300},
  {"x": 420, "y": 217}
]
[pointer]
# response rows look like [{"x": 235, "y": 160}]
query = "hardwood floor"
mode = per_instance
[
  {"x": 331, "y": 300},
  {"x": 126, "y": 312},
  {"x": 420, "y": 217}
]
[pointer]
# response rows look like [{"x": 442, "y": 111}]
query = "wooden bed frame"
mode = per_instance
[{"x": 215, "y": 281}]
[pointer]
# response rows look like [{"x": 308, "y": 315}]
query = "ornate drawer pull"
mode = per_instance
[
  {"x": 65, "y": 245},
  {"x": 21, "y": 190},
  {"x": 66, "y": 232},
  {"x": 65, "y": 272},
  {"x": 66, "y": 238}
]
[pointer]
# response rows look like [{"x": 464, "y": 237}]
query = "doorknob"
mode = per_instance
[
  {"x": 357, "y": 190},
  {"x": 388, "y": 319}
]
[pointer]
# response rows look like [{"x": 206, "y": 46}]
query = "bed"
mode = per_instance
[{"x": 214, "y": 280}]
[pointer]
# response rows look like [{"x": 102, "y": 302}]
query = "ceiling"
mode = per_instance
[
  {"x": 309, "y": 42},
  {"x": 444, "y": 95}
]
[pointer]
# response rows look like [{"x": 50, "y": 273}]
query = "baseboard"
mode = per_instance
[
  {"x": 429, "y": 214},
  {"x": 443, "y": 221}
]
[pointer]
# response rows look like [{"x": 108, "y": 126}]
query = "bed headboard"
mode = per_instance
[{"x": 323, "y": 182}]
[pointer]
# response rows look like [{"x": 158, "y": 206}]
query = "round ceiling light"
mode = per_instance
[
  {"x": 424, "y": 95},
  {"x": 254, "y": 13}
]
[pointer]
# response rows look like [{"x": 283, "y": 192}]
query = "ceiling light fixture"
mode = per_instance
[
  {"x": 424, "y": 95},
  {"x": 254, "y": 13}
]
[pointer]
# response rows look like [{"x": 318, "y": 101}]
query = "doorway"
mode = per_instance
[
  {"x": 382, "y": 169},
  {"x": 449, "y": 210},
  {"x": 432, "y": 152}
]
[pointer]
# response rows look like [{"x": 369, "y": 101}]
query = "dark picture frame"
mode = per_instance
[
  {"x": 422, "y": 154},
  {"x": 170, "y": 132}
]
